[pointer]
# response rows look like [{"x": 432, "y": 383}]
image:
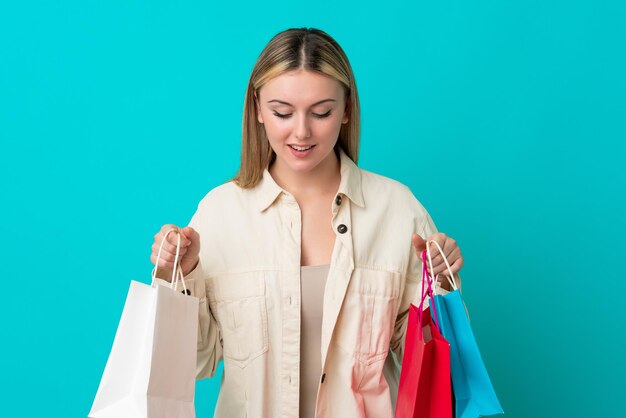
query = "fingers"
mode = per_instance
[
  {"x": 163, "y": 264},
  {"x": 172, "y": 237},
  {"x": 189, "y": 233},
  {"x": 173, "y": 240},
  {"x": 168, "y": 252},
  {"x": 418, "y": 243},
  {"x": 450, "y": 249},
  {"x": 448, "y": 246},
  {"x": 454, "y": 259},
  {"x": 435, "y": 256},
  {"x": 456, "y": 267},
  {"x": 439, "y": 265}
]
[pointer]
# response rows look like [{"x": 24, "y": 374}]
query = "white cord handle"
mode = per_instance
[
  {"x": 177, "y": 272},
  {"x": 180, "y": 277},
  {"x": 430, "y": 262}
]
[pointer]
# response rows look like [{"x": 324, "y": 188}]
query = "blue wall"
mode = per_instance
[{"x": 506, "y": 119}]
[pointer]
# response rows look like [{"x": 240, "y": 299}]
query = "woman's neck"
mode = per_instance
[{"x": 323, "y": 179}]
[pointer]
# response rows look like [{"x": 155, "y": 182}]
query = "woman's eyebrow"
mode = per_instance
[{"x": 314, "y": 104}]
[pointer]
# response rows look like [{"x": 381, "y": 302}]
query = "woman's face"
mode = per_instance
[{"x": 302, "y": 112}]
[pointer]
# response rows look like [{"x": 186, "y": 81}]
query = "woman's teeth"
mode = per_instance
[{"x": 297, "y": 148}]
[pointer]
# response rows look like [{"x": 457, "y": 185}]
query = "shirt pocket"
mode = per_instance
[
  {"x": 241, "y": 313},
  {"x": 366, "y": 320}
]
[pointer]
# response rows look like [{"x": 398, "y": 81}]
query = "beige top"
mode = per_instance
[{"x": 312, "y": 282}]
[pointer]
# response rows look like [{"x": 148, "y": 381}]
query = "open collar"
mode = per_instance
[{"x": 350, "y": 185}]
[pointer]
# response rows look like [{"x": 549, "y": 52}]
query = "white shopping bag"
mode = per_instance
[{"x": 151, "y": 370}]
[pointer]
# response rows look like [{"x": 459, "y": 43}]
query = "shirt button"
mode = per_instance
[
  {"x": 323, "y": 377},
  {"x": 342, "y": 229},
  {"x": 338, "y": 200}
]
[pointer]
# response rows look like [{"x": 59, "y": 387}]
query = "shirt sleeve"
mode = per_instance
[{"x": 209, "y": 335}]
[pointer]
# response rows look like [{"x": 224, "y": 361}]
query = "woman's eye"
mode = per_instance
[
  {"x": 288, "y": 115},
  {"x": 325, "y": 115}
]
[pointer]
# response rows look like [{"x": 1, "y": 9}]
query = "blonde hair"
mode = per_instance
[{"x": 292, "y": 49}]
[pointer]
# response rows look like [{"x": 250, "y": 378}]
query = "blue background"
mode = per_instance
[{"x": 506, "y": 118}]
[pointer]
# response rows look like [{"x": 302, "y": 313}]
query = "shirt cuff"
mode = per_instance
[{"x": 193, "y": 282}]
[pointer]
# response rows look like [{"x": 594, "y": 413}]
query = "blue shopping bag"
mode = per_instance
[{"x": 473, "y": 392}]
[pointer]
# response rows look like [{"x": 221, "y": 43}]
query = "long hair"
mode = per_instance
[{"x": 292, "y": 49}]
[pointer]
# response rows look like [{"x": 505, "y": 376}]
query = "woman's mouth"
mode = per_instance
[{"x": 301, "y": 151}]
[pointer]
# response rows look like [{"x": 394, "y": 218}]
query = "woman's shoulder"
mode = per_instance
[
  {"x": 378, "y": 186},
  {"x": 222, "y": 195},
  {"x": 395, "y": 199},
  {"x": 373, "y": 179}
]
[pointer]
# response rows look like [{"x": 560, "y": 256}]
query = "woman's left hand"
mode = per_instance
[{"x": 449, "y": 247}]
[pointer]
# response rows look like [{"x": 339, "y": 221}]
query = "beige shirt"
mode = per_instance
[{"x": 248, "y": 283}]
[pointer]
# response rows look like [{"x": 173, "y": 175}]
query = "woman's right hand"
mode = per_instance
[{"x": 188, "y": 254}]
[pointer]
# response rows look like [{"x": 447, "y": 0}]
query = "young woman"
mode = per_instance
[{"x": 305, "y": 264}]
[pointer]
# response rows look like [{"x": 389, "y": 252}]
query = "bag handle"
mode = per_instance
[
  {"x": 426, "y": 292},
  {"x": 445, "y": 260},
  {"x": 177, "y": 272},
  {"x": 179, "y": 277}
]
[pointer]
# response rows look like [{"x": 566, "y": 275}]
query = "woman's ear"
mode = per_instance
[{"x": 258, "y": 108}]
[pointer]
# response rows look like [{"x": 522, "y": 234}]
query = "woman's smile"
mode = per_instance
[{"x": 301, "y": 150}]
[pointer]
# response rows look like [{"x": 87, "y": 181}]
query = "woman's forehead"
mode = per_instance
[{"x": 301, "y": 87}]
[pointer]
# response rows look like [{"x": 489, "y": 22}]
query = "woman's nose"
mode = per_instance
[{"x": 302, "y": 127}]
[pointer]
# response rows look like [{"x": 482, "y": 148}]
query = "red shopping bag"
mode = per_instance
[{"x": 425, "y": 389}]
